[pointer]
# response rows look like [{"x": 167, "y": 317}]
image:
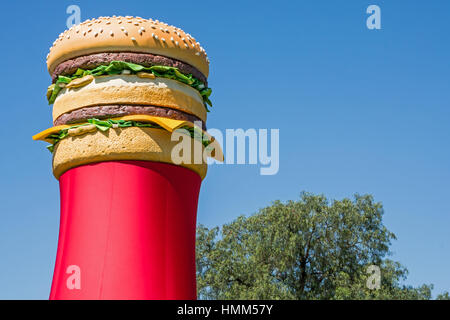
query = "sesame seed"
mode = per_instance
[
  {"x": 84, "y": 33},
  {"x": 111, "y": 33},
  {"x": 122, "y": 28},
  {"x": 156, "y": 37},
  {"x": 197, "y": 53},
  {"x": 101, "y": 30},
  {"x": 163, "y": 40},
  {"x": 176, "y": 43},
  {"x": 186, "y": 45},
  {"x": 133, "y": 39},
  {"x": 96, "y": 34}
]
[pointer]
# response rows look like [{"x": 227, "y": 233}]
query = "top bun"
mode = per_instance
[{"x": 127, "y": 34}]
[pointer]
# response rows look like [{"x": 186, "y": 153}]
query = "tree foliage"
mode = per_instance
[{"x": 306, "y": 249}]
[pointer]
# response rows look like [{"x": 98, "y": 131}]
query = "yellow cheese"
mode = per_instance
[
  {"x": 43, "y": 134},
  {"x": 166, "y": 123}
]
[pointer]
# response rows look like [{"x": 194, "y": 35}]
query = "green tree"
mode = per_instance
[
  {"x": 306, "y": 249},
  {"x": 443, "y": 296}
]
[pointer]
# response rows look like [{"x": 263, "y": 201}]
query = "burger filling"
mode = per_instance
[
  {"x": 92, "y": 61},
  {"x": 80, "y": 76},
  {"x": 104, "y": 125},
  {"x": 113, "y": 111}
]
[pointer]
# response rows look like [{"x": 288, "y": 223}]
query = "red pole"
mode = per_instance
[{"x": 129, "y": 226}]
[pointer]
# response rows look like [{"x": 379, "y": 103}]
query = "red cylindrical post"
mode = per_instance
[{"x": 128, "y": 227}]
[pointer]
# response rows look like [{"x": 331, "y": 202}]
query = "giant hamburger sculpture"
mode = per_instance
[{"x": 121, "y": 86}]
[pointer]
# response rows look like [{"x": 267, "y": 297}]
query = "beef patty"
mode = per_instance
[
  {"x": 111, "y": 111},
  {"x": 92, "y": 61}
]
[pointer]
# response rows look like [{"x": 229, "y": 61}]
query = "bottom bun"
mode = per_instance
[{"x": 132, "y": 143}]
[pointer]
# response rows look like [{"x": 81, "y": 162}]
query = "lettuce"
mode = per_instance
[
  {"x": 116, "y": 67},
  {"x": 104, "y": 125}
]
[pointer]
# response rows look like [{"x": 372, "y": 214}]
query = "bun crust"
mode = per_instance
[
  {"x": 131, "y": 90},
  {"x": 127, "y": 34},
  {"x": 133, "y": 143}
]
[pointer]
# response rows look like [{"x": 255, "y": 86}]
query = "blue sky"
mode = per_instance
[{"x": 359, "y": 111}]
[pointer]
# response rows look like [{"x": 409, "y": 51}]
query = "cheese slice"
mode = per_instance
[
  {"x": 166, "y": 123},
  {"x": 44, "y": 134}
]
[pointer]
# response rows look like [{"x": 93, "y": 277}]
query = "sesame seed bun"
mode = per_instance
[
  {"x": 127, "y": 34},
  {"x": 133, "y": 90},
  {"x": 132, "y": 143}
]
